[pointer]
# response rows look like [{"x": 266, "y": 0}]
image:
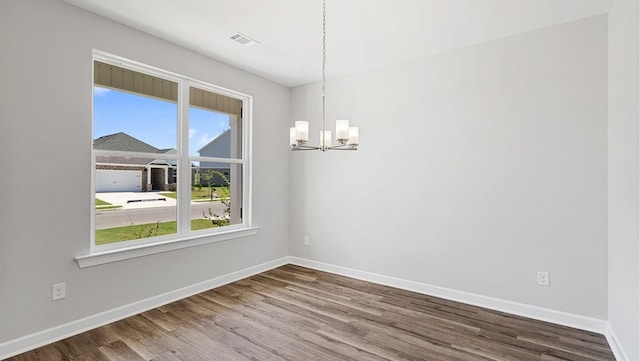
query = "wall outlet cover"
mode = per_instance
[
  {"x": 543, "y": 278},
  {"x": 58, "y": 291}
]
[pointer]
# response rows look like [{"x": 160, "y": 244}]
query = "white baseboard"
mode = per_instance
[
  {"x": 618, "y": 351},
  {"x": 30, "y": 342},
  {"x": 538, "y": 313}
]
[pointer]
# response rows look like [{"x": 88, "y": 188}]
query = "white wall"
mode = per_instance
[
  {"x": 624, "y": 181},
  {"x": 45, "y": 144},
  {"x": 477, "y": 168}
]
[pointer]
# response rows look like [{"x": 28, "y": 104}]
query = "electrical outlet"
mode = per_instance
[
  {"x": 58, "y": 291},
  {"x": 543, "y": 278},
  {"x": 306, "y": 240}
]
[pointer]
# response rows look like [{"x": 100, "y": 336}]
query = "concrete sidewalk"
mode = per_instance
[{"x": 131, "y": 200}]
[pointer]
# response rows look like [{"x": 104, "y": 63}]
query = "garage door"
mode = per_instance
[{"x": 118, "y": 180}]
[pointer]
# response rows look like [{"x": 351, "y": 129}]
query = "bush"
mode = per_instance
[{"x": 172, "y": 187}]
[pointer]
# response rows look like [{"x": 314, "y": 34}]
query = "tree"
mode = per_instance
[
  {"x": 210, "y": 177},
  {"x": 216, "y": 219}
]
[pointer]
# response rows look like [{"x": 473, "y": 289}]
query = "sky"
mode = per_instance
[{"x": 152, "y": 121}]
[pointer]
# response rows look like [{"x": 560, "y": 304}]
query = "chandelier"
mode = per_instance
[{"x": 347, "y": 137}]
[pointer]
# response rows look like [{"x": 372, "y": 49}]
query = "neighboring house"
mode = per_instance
[
  {"x": 127, "y": 174},
  {"x": 228, "y": 145},
  {"x": 219, "y": 147}
]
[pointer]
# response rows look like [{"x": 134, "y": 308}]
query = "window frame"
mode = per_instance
[{"x": 184, "y": 236}]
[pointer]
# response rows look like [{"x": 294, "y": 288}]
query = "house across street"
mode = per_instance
[{"x": 118, "y": 174}]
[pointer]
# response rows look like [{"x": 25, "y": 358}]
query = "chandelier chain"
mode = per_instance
[
  {"x": 324, "y": 64},
  {"x": 324, "y": 46}
]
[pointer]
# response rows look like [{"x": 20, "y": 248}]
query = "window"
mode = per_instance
[{"x": 171, "y": 158}]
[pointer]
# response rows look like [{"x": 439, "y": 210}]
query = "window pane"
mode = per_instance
[
  {"x": 215, "y": 125},
  {"x": 123, "y": 211},
  {"x": 134, "y": 112},
  {"x": 133, "y": 122},
  {"x": 216, "y": 196}
]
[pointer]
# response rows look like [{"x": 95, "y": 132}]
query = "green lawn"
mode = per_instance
[
  {"x": 201, "y": 194},
  {"x": 102, "y": 205},
  {"x": 101, "y": 208},
  {"x": 127, "y": 233},
  {"x": 100, "y": 202}
]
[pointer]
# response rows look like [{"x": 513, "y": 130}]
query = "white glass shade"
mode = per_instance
[
  {"x": 354, "y": 136},
  {"x": 292, "y": 135},
  {"x": 325, "y": 138},
  {"x": 302, "y": 130},
  {"x": 342, "y": 130}
]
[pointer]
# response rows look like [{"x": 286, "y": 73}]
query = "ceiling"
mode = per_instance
[{"x": 361, "y": 34}]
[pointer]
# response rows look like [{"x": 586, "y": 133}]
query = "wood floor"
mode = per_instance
[{"x": 294, "y": 313}]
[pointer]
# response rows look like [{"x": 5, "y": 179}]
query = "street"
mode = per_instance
[{"x": 125, "y": 217}]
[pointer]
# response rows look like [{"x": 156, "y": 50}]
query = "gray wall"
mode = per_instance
[
  {"x": 477, "y": 168},
  {"x": 624, "y": 183},
  {"x": 45, "y": 132}
]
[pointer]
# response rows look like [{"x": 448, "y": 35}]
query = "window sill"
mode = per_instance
[{"x": 120, "y": 254}]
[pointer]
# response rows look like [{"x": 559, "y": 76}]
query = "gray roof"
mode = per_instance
[{"x": 124, "y": 142}]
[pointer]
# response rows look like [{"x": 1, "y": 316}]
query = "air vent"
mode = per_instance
[{"x": 244, "y": 40}]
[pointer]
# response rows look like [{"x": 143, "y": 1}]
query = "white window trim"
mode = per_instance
[
  {"x": 141, "y": 250},
  {"x": 184, "y": 238}
]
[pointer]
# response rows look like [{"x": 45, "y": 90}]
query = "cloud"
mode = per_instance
[
  {"x": 98, "y": 91},
  {"x": 204, "y": 140},
  {"x": 192, "y": 132}
]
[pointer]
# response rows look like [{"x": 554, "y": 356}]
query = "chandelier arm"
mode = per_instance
[
  {"x": 333, "y": 147},
  {"x": 342, "y": 147},
  {"x": 304, "y": 147}
]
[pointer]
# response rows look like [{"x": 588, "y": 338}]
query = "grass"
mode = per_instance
[
  {"x": 107, "y": 207},
  {"x": 100, "y": 202},
  {"x": 127, "y": 233},
  {"x": 101, "y": 205},
  {"x": 201, "y": 194}
]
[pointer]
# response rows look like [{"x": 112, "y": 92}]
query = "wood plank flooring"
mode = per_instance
[{"x": 294, "y": 313}]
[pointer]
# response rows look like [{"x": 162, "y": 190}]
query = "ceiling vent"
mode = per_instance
[{"x": 244, "y": 40}]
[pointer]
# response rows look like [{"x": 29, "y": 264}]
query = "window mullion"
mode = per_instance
[{"x": 184, "y": 173}]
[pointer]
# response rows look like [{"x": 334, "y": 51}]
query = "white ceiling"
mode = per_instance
[{"x": 361, "y": 34}]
